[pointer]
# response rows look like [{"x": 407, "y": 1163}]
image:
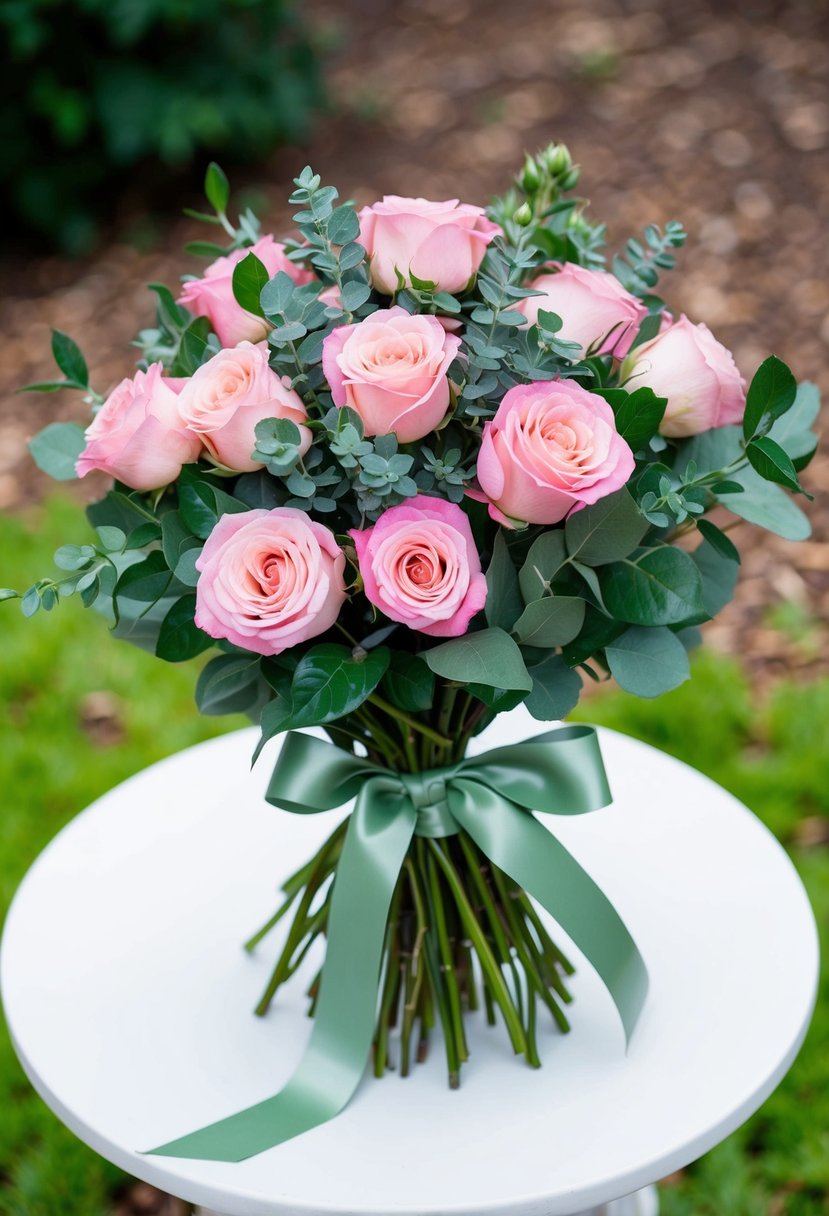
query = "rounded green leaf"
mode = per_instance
[{"x": 648, "y": 662}]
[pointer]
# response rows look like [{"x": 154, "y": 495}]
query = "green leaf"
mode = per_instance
[
  {"x": 354, "y": 295},
  {"x": 719, "y": 576},
  {"x": 606, "y": 531},
  {"x": 69, "y": 359},
  {"x": 229, "y": 684},
  {"x": 771, "y": 462},
  {"x": 176, "y": 538},
  {"x": 249, "y": 277},
  {"x": 56, "y": 449},
  {"x": 180, "y": 638},
  {"x": 112, "y": 539},
  {"x": 718, "y": 540},
  {"x": 276, "y": 295},
  {"x": 503, "y": 598},
  {"x": 193, "y": 348},
  {"x": 145, "y": 581},
  {"x": 552, "y": 621},
  {"x": 185, "y": 570},
  {"x": 30, "y": 603},
  {"x": 408, "y": 682},
  {"x": 546, "y": 556},
  {"x": 767, "y": 506},
  {"x": 8, "y": 593},
  {"x": 662, "y": 587},
  {"x": 770, "y": 394},
  {"x": 648, "y": 662},
  {"x": 597, "y": 631},
  {"x": 555, "y": 691},
  {"x": 329, "y": 682},
  {"x": 794, "y": 430},
  {"x": 343, "y": 225},
  {"x": 170, "y": 314},
  {"x": 216, "y": 188},
  {"x": 638, "y": 414},
  {"x": 489, "y": 656}
]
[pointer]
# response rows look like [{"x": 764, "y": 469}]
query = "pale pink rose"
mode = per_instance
[
  {"x": 269, "y": 580},
  {"x": 391, "y": 369},
  {"x": 212, "y": 296},
  {"x": 420, "y": 566},
  {"x": 443, "y": 243},
  {"x": 138, "y": 436},
  {"x": 551, "y": 447},
  {"x": 698, "y": 375},
  {"x": 225, "y": 398},
  {"x": 594, "y": 307}
]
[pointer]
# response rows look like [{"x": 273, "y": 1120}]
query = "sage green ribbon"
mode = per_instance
[{"x": 489, "y": 796}]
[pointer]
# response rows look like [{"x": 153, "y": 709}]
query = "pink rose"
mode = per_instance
[
  {"x": 212, "y": 296},
  {"x": 698, "y": 375},
  {"x": 138, "y": 436},
  {"x": 420, "y": 566},
  {"x": 594, "y": 307},
  {"x": 225, "y": 398},
  {"x": 551, "y": 446},
  {"x": 391, "y": 369},
  {"x": 269, "y": 580},
  {"x": 443, "y": 243}
]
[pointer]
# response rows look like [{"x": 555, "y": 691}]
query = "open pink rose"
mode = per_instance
[
  {"x": 138, "y": 436},
  {"x": 212, "y": 296},
  {"x": 269, "y": 580},
  {"x": 420, "y": 566},
  {"x": 698, "y": 375},
  {"x": 391, "y": 369},
  {"x": 594, "y": 307},
  {"x": 551, "y": 446},
  {"x": 225, "y": 398},
  {"x": 442, "y": 243}
]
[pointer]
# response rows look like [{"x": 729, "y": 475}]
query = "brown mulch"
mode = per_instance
[{"x": 714, "y": 113}]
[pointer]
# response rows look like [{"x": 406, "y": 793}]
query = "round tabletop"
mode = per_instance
[{"x": 129, "y": 1000}]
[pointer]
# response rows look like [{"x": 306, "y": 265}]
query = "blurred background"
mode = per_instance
[{"x": 713, "y": 113}]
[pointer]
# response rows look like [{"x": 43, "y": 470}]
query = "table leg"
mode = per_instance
[{"x": 643, "y": 1203}]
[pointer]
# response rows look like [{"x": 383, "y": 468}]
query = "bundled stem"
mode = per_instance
[{"x": 460, "y": 934}]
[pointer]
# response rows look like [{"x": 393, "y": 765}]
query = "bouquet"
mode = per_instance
[{"x": 401, "y": 472}]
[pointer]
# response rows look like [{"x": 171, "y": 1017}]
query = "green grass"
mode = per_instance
[{"x": 772, "y": 755}]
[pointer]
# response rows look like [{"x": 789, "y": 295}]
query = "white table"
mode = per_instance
[{"x": 129, "y": 1000}]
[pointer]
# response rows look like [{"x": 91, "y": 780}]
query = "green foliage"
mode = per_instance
[
  {"x": 489, "y": 657},
  {"x": 56, "y": 449},
  {"x": 92, "y": 90}
]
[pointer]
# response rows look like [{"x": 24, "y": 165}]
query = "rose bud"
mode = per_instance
[
  {"x": 212, "y": 296},
  {"x": 697, "y": 374},
  {"x": 551, "y": 446},
  {"x": 226, "y": 397},
  {"x": 391, "y": 369},
  {"x": 138, "y": 435},
  {"x": 420, "y": 566},
  {"x": 442, "y": 243},
  {"x": 594, "y": 307},
  {"x": 269, "y": 580}
]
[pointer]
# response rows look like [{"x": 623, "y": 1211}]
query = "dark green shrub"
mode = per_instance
[{"x": 93, "y": 89}]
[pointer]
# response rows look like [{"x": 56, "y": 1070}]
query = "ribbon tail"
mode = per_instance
[
  {"x": 523, "y": 848},
  {"x": 338, "y": 1049}
]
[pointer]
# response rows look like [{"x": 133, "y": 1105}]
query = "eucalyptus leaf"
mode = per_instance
[
  {"x": 555, "y": 691},
  {"x": 56, "y": 449},
  {"x": 408, "y": 682},
  {"x": 606, "y": 531},
  {"x": 719, "y": 576},
  {"x": 488, "y": 656},
  {"x": 648, "y": 662},
  {"x": 663, "y": 586},
  {"x": 547, "y": 554},
  {"x": 552, "y": 621}
]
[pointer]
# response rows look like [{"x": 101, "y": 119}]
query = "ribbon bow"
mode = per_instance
[{"x": 492, "y": 797}]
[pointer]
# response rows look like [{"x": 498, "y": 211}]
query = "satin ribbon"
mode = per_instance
[{"x": 492, "y": 797}]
